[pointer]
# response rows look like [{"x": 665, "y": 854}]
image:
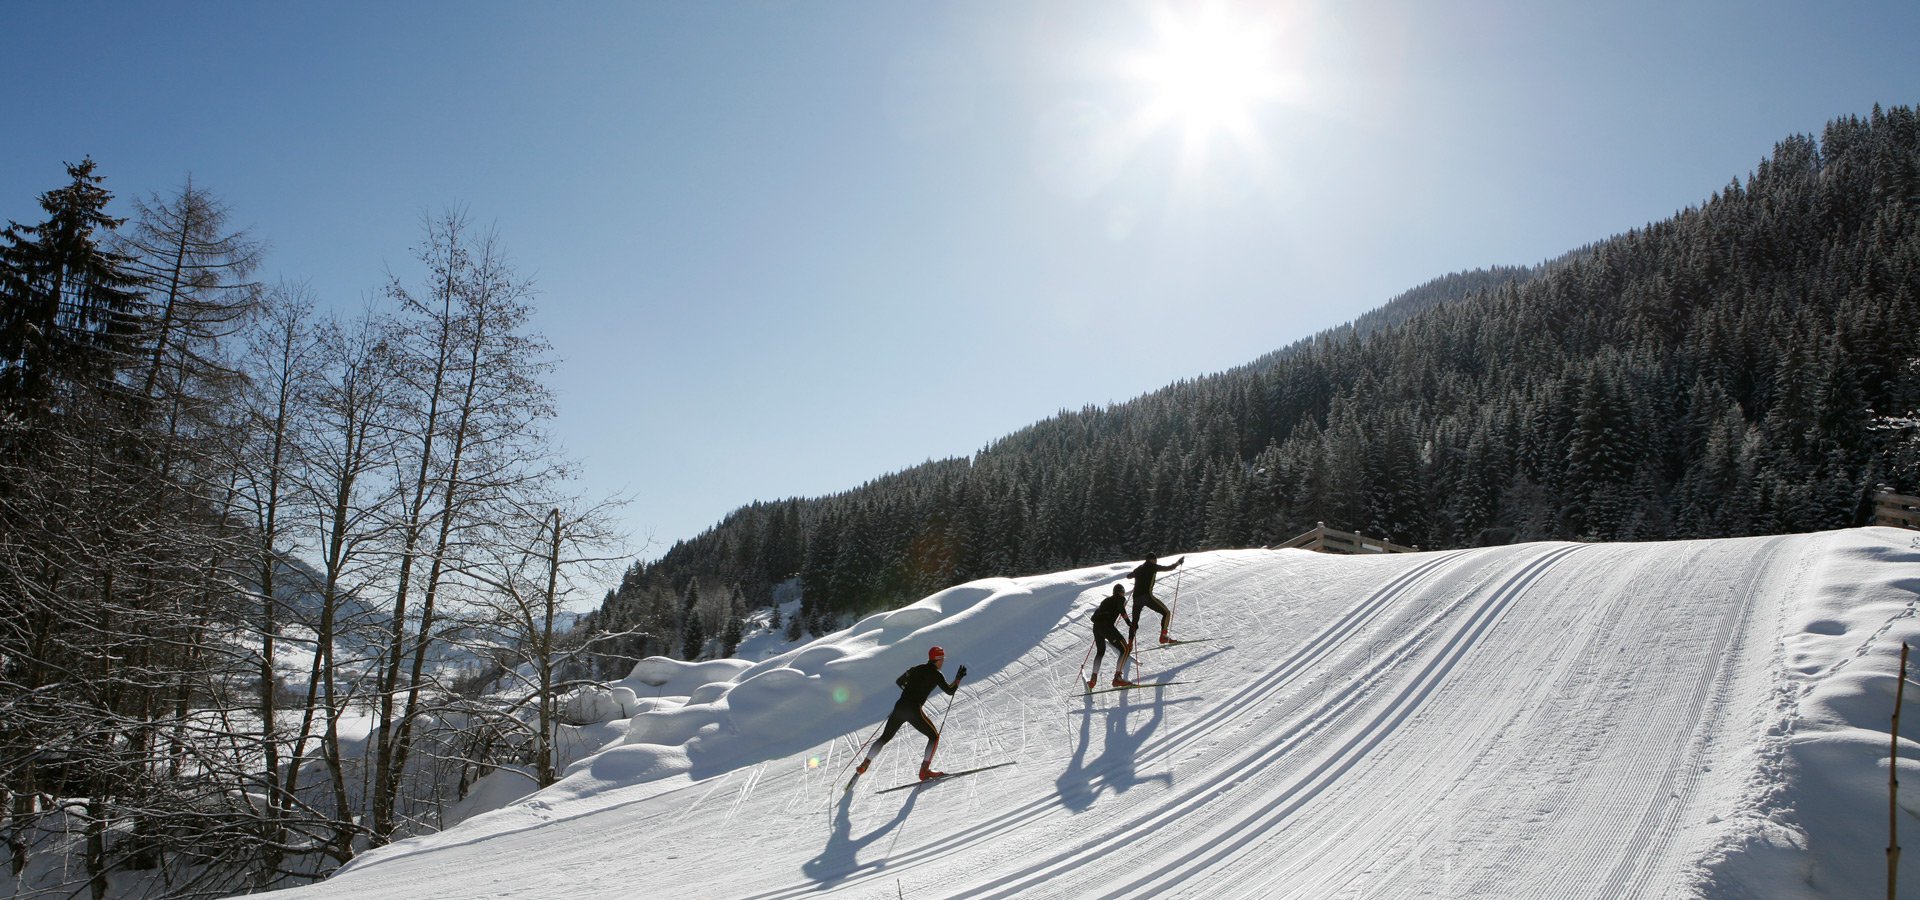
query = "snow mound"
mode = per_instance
[{"x": 738, "y": 713}]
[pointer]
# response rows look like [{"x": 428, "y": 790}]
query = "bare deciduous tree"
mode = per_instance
[{"x": 473, "y": 406}]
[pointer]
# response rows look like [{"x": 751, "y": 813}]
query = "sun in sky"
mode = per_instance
[
  {"x": 1209, "y": 72},
  {"x": 1200, "y": 78}
]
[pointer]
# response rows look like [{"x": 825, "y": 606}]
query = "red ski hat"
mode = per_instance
[{"x": 935, "y": 654}]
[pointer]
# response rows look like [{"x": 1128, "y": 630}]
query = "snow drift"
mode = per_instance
[{"x": 1704, "y": 718}]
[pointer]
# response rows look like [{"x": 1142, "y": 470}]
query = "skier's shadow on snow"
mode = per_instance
[
  {"x": 841, "y": 857},
  {"x": 1115, "y": 770}
]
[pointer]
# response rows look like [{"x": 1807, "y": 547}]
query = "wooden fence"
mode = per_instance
[
  {"x": 1897, "y": 510},
  {"x": 1333, "y": 540}
]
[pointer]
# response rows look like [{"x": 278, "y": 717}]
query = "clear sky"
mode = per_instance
[{"x": 785, "y": 247}]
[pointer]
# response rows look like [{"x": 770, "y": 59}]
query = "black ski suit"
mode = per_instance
[
  {"x": 1142, "y": 576},
  {"x": 1105, "y": 632},
  {"x": 916, "y": 684}
]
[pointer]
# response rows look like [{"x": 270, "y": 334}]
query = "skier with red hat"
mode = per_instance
[{"x": 916, "y": 684}]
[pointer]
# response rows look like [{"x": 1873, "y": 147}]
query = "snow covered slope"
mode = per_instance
[{"x": 1702, "y": 718}]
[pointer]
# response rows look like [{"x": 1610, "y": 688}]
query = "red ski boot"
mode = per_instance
[
  {"x": 927, "y": 774},
  {"x": 1122, "y": 682}
]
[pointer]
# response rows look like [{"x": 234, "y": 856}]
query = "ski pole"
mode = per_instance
[
  {"x": 1175, "y": 604},
  {"x": 942, "y": 727},
  {"x": 1127, "y": 653}
]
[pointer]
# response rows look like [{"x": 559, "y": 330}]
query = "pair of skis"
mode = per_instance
[
  {"x": 1170, "y": 645},
  {"x": 929, "y": 781},
  {"x": 1131, "y": 687}
]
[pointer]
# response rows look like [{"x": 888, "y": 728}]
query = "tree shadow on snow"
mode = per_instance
[{"x": 841, "y": 857}]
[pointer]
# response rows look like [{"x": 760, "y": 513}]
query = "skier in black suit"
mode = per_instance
[
  {"x": 916, "y": 684},
  {"x": 1112, "y": 607},
  {"x": 1142, "y": 576}
]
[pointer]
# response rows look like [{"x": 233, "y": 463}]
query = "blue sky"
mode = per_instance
[{"x": 785, "y": 247}]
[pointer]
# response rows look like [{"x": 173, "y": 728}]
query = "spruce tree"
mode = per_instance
[
  {"x": 692, "y": 635},
  {"x": 69, "y": 307},
  {"x": 693, "y": 638}
]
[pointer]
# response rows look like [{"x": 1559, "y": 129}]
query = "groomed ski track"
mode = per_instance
[{"x": 1544, "y": 720}]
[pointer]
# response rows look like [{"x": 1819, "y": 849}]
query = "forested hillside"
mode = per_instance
[{"x": 1745, "y": 367}]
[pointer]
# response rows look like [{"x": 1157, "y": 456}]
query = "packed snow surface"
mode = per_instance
[{"x": 1703, "y": 718}]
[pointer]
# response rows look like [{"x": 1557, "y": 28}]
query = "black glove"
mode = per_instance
[{"x": 960, "y": 674}]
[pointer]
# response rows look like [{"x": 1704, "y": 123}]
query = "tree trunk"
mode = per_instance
[{"x": 544, "y": 660}]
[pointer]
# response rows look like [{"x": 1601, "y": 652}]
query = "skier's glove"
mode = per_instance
[{"x": 960, "y": 674}]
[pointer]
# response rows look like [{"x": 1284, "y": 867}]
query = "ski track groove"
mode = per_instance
[
  {"x": 1665, "y": 759},
  {"x": 1248, "y": 827},
  {"x": 1322, "y": 710},
  {"x": 1541, "y": 739},
  {"x": 1464, "y": 752},
  {"x": 1658, "y": 822}
]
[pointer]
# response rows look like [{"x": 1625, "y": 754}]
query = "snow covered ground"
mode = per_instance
[{"x": 1704, "y": 718}]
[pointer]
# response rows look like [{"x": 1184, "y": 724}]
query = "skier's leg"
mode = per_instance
[
  {"x": 894, "y": 721},
  {"x": 925, "y": 726},
  {"x": 1099, "y": 653},
  {"x": 1102, "y": 637},
  {"x": 1153, "y": 603}
]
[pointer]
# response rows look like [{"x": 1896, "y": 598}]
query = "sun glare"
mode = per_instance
[{"x": 1208, "y": 74}]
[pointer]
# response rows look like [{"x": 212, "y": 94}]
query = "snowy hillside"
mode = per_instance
[{"x": 1699, "y": 718}]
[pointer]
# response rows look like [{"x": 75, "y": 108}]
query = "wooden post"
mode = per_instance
[{"x": 1893, "y": 780}]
